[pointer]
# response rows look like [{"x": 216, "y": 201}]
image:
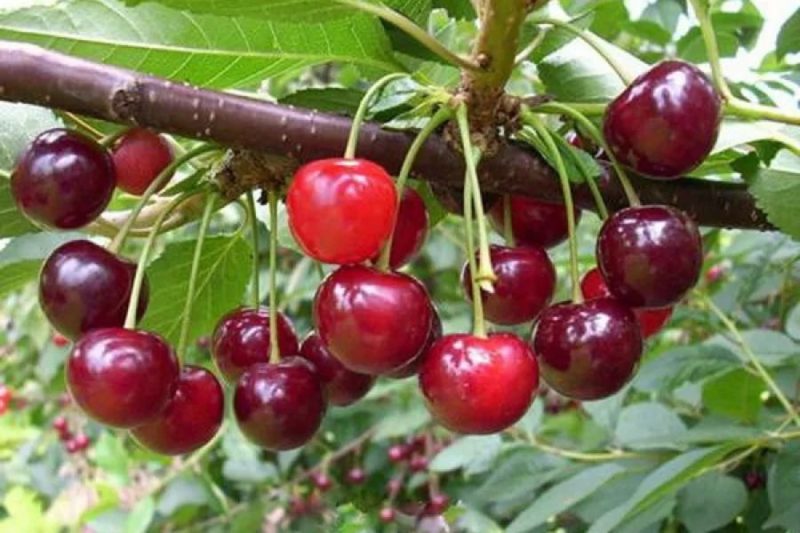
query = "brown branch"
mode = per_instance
[{"x": 33, "y": 75}]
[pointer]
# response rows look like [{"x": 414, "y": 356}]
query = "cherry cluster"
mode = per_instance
[{"x": 72, "y": 443}]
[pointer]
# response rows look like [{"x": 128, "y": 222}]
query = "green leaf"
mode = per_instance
[
  {"x": 563, "y": 496},
  {"x": 793, "y": 322},
  {"x": 684, "y": 364},
  {"x": 736, "y": 394},
  {"x": 110, "y": 455},
  {"x": 783, "y": 484},
  {"x": 14, "y": 276},
  {"x": 475, "y": 454},
  {"x": 402, "y": 423},
  {"x": 789, "y": 36},
  {"x": 649, "y": 425},
  {"x": 19, "y": 125},
  {"x": 222, "y": 279},
  {"x": 24, "y": 513},
  {"x": 331, "y": 100},
  {"x": 771, "y": 347},
  {"x": 711, "y": 502},
  {"x": 12, "y": 223},
  {"x": 778, "y": 194},
  {"x": 460, "y": 9},
  {"x": 242, "y": 460},
  {"x": 186, "y": 490},
  {"x": 140, "y": 516},
  {"x": 208, "y": 50}
]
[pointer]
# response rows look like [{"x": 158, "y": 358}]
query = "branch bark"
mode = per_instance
[{"x": 33, "y": 75}]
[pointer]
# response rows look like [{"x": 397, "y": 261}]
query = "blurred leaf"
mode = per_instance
[
  {"x": 19, "y": 125},
  {"x": 692, "y": 48},
  {"x": 783, "y": 486},
  {"x": 110, "y": 455},
  {"x": 140, "y": 516},
  {"x": 242, "y": 460},
  {"x": 186, "y": 490},
  {"x": 14, "y": 276},
  {"x": 736, "y": 394},
  {"x": 460, "y": 9},
  {"x": 401, "y": 423},
  {"x": 24, "y": 513},
  {"x": 711, "y": 502},
  {"x": 649, "y": 425},
  {"x": 12, "y": 223},
  {"x": 771, "y": 347},
  {"x": 474, "y": 454},
  {"x": 684, "y": 364},
  {"x": 789, "y": 36},
  {"x": 793, "y": 322}
]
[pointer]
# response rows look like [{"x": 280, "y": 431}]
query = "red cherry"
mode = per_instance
[
  {"x": 241, "y": 339},
  {"x": 356, "y": 476},
  {"x": 526, "y": 281},
  {"x": 71, "y": 446},
  {"x": 650, "y": 256},
  {"x": 410, "y": 230},
  {"x": 298, "y": 506},
  {"x": 139, "y": 157},
  {"x": 60, "y": 341},
  {"x": 121, "y": 377},
  {"x": 359, "y": 312},
  {"x": 5, "y": 394},
  {"x": 64, "y": 180},
  {"x": 715, "y": 274},
  {"x": 437, "y": 505},
  {"x": 321, "y": 481},
  {"x": 412, "y": 368},
  {"x": 190, "y": 419},
  {"x": 80, "y": 442},
  {"x": 533, "y": 222},
  {"x": 60, "y": 424},
  {"x": 83, "y": 286},
  {"x": 590, "y": 350},
  {"x": 387, "y": 515},
  {"x": 341, "y": 210},
  {"x": 666, "y": 122},
  {"x": 279, "y": 407},
  {"x": 755, "y": 480},
  {"x": 398, "y": 453},
  {"x": 342, "y": 386},
  {"x": 479, "y": 385},
  {"x": 418, "y": 463}
]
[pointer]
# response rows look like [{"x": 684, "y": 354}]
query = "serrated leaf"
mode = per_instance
[
  {"x": 474, "y": 453},
  {"x": 736, "y": 394},
  {"x": 222, "y": 279},
  {"x": 711, "y": 502},
  {"x": 648, "y": 425},
  {"x": 778, "y": 194}
]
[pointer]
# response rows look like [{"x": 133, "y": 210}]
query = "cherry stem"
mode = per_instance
[
  {"x": 508, "y": 225},
  {"x": 363, "y": 107},
  {"x": 186, "y": 320},
  {"x": 441, "y": 116},
  {"x": 138, "y": 280},
  {"x": 81, "y": 123},
  {"x": 479, "y": 323},
  {"x": 275, "y": 350},
  {"x": 712, "y": 48},
  {"x": 108, "y": 140},
  {"x": 119, "y": 240},
  {"x": 251, "y": 210}
]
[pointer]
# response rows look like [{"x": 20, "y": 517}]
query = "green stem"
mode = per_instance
[
  {"x": 508, "y": 225},
  {"x": 361, "y": 113},
  {"x": 712, "y": 48},
  {"x": 88, "y": 128},
  {"x": 479, "y": 322},
  {"x": 749, "y": 110},
  {"x": 790, "y": 143},
  {"x": 274, "y": 347},
  {"x": 528, "y": 50},
  {"x": 186, "y": 320},
  {"x": 599, "y": 201},
  {"x": 108, "y": 140},
  {"x": 441, "y": 116},
  {"x": 585, "y": 108},
  {"x": 119, "y": 240},
  {"x": 251, "y": 208}
]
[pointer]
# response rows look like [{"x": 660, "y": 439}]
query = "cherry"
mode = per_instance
[
  {"x": 650, "y": 256},
  {"x": 60, "y": 341},
  {"x": 533, "y": 222},
  {"x": 241, "y": 339},
  {"x": 190, "y": 419},
  {"x": 755, "y": 480},
  {"x": 321, "y": 481},
  {"x": 651, "y": 321},
  {"x": 412, "y": 367},
  {"x": 374, "y": 322},
  {"x": 387, "y": 515},
  {"x": 5, "y": 394},
  {"x": 342, "y": 386},
  {"x": 398, "y": 453},
  {"x": 437, "y": 505},
  {"x": 83, "y": 286},
  {"x": 418, "y": 463},
  {"x": 298, "y": 506},
  {"x": 526, "y": 281},
  {"x": 356, "y": 476},
  {"x": 341, "y": 210},
  {"x": 410, "y": 230},
  {"x": 715, "y": 274},
  {"x": 140, "y": 155},
  {"x": 64, "y": 180},
  {"x": 78, "y": 444},
  {"x": 122, "y": 377},
  {"x": 279, "y": 407},
  {"x": 589, "y": 350},
  {"x": 60, "y": 424},
  {"x": 479, "y": 385},
  {"x": 666, "y": 122}
]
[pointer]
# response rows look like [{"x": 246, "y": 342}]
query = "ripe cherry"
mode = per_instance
[
  {"x": 650, "y": 256},
  {"x": 412, "y": 367},
  {"x": 437, "y": 505},
  {"x": 190, "y": 419},
  {"x": 140, "y": 155},
  {"x": 78, "y": 443},
  {"x": 526, "y": 281},
  {"x": 398, "y": 453},
  {"x": 60, "y": 424},
  {"x": 321, "y": 481},
  {"x": 533, "y": 222},
  {"x": 410, "y": 230},
  {"x": 83, "y": 286},
  {"x": 387, "y": 515},
  {"x": 418, "y": 463},
  {"x": 666, "y": 122},
  {"x": 590, "y": 350},
  {"x": 715, "y": 274},
  {"x": 479, "y": 385},
  {"x": 341, "y": 210},
  {"x": 356, "y": 476},
  {"x": 241, "y": 339},
  {"x": 121, "y": 377},
  {"x": 651, "y": 321},
  {"x": 64, "y": 180},
  {"x": 342, "y": 386},
  {"x": 374, "y": 322},
  {"x": 279, "y": 407}
]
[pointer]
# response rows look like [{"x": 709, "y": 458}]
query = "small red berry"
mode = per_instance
[
  {"x": 754, "y": 480},
  {"x": 322, "y": 481},
  {"x": 81, "y": 442},
  {"x": 715, "y": 274},
  {"x": 398, "y": 453},
  {"x": 5, "y": 394},
  {"x": 418, "y": 463},
  {"x": 437, "y": 504},
  {"x": 60, "y": 340},
  {"x": 387, "y": 515},
  {"x": 139, "y": 157},
  {"x": 60, "y": 424},
  {"x": 356, "y": 476}
]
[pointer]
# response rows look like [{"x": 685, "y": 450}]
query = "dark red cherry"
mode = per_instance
[
  {"x": 412, "y": 368},
  {"x": 650, "y": 256},
  {"x": 651, "y": 321},
  {"x": 241, "y": 339},
  {"x": 590, "y": 350},
  {"x": 410, "y": 230},
  {"x": 479, "y": 385},
  {"x": 139, "y": 157},
  {"x": 190, "y": 419},
  {"x": 437, "y": 505},
  {"x": 398, "y": 453},
  {"x": 321, "y": 481},
  {"x": 666, "y": 122},
  {"x": 374, "y": 322},
  {"x": 80, "y": 442},
  {"x": 64, "y": 180},
  {"x": 356, "y": 476},
  {"x": 342, "y": 386},
  {"x": 279, "y": 407},
  {"x": 83, "y": 286},
  {"x": 533, "y": 222},
  {"x": 121, "y": 377},
  {"x": 526, "y": 281},
  {"x": 418, "y": 463},
  {"x": 341, "y": 210}
]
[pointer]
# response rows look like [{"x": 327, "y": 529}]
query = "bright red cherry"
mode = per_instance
[
  {"x": 666, "y": 122},
  {"x": 241, "y": 339},
  {"x": 64, "y": 180},
  {"x": 387, "y": 515},
  {"x": 341, "y": 210},
  {"x": 651, "y": 321},
  {"x": 342, "y": 386},
  {"x": 83, "y": 286},
  {"x": 410, "y": 230},
  {"x": 78, "y": 443},
  {"x": 650, "y": 256},
  {"x": 121, "y": 377},
  {"x": 140, "y": 155},
  {"x": 412, "y": 368},
  {"x": 479, "y": 385},
  {"x": 526, "y": 281},
  {"x": 279, "y": 407},
  {"x": 374, "y": 322},
  {"x": 590, "y": 350},
  {"x": 356, "y": 476},
  {"x": 60, "y": 424},
  {"x": 398, "y": 453},
  {"x": 190, "y": 419},
  {"x": 533, "y": 222}
]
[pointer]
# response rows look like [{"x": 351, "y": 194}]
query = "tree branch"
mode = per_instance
[{"x": 33, "y": 75}]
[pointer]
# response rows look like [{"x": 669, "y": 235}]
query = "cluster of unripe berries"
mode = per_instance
[{"x": 72, "y": 443}]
